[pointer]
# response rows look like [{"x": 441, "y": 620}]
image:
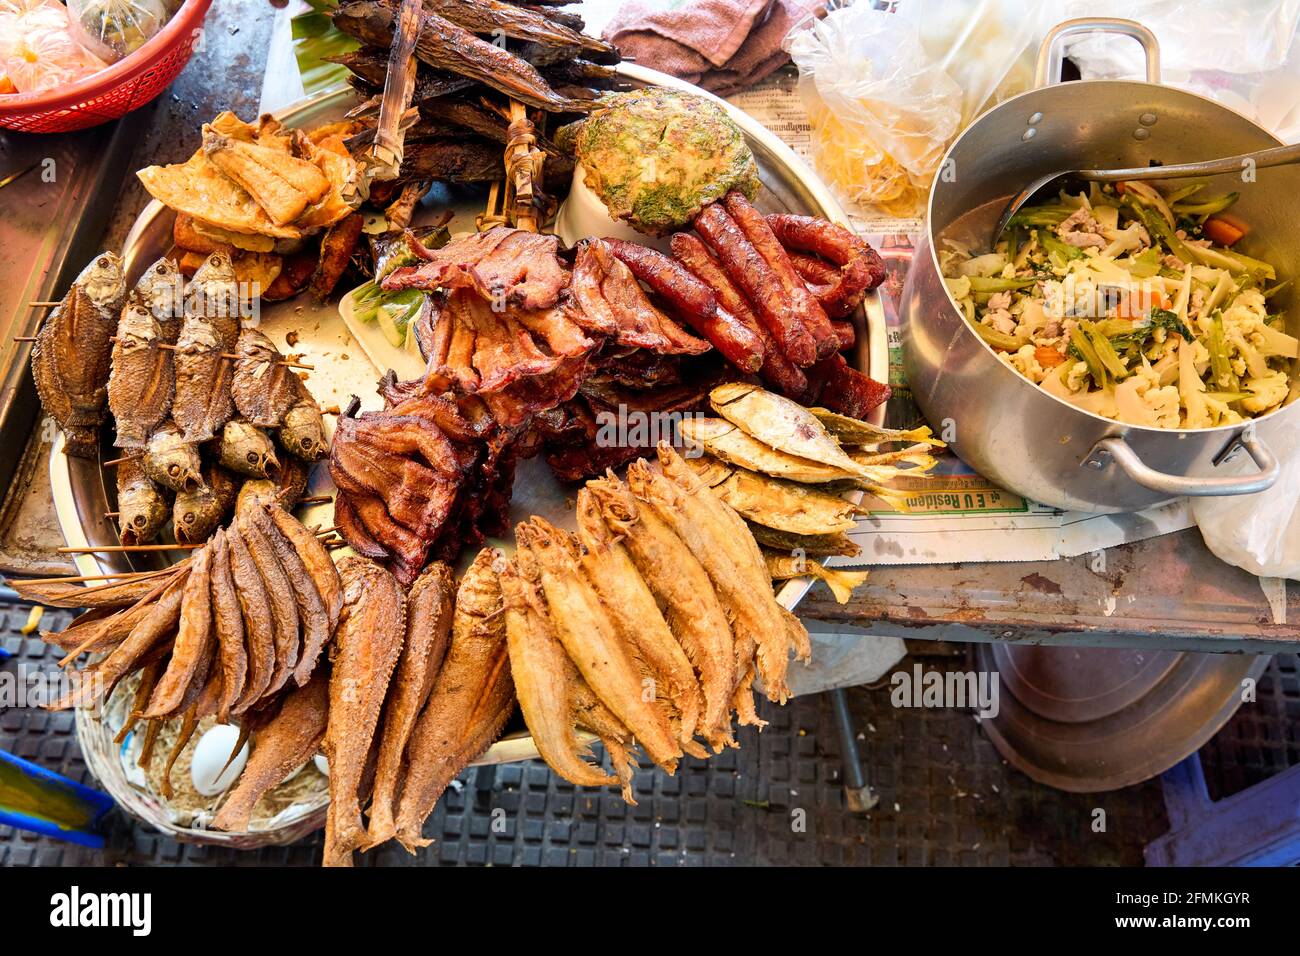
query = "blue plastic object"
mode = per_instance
[
  {"x": 1260, "y": 826},
  {"x": 40, "y": 800}
]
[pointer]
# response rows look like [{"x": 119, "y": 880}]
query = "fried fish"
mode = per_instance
[
  {"x": 141, "y": 381},
  {"x": 203, "y": 401},
  {"x": 197, "y": 513},
  {"x": 142, "y": 508},
  {"x": 247, "y": 450}
]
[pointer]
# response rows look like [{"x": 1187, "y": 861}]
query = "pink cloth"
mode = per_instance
[{"x": 722, "y": 45}]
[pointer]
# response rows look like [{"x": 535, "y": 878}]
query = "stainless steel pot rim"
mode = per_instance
[{"x": 1120, "y": 428}]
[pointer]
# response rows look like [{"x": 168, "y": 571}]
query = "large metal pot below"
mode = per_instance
[{"x": 1003, "y": 425}]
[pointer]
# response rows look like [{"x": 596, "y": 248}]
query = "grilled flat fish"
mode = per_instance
[
  {"x": 203, "y": 400},
  {"x": 264, "y": 388},
  {"x": 172, "y": 461},
  {"x": 141, "y": 382},
  {"x": 70, "y": 359}
]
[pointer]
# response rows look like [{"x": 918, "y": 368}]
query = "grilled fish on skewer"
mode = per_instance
[
  {"x": 286, "y": 489},
  {"x": 471, "y": 699},
  {"x": 197, "y": 513},
  {"x": 70, "y": 358},
  {"x": 263, "y": 387},
  {"x": 303, "y": 431},
  {"x": 140, "y": 383},
  {"x": 203, "y": 401},
  {"x": 367, "y": 646},
  {"x": 142, "y": 508},
  {"x": 428, "y": 633},
  {"x": 292, "y": 737},
  {"x": 171, "y": 461},
  {"x": 246, "y": 449}
]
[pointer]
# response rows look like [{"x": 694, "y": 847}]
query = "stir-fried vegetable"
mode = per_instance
[{"x": 1126, "y": 301}]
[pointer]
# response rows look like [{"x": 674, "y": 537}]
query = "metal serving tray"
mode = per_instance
[{"x": 84, "y": 492}]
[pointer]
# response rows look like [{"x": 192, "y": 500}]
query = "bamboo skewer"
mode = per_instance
[
  {"x": 83, "y": 578},
  {"x": 130, "y": 548},
  {"x": 172, "y": 348}
]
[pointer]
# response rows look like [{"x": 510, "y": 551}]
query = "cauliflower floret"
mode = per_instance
[
  {"x": 1024, "y": 362},
  {"x": 1077, "y": 376},
  {"x": 1140, "y": 400},
  {"x": 1266, "y": 391}
]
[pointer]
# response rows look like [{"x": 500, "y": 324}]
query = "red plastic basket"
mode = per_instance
[{"x": 111, "y": 93}]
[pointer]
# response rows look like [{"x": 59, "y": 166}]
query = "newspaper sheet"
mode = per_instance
[{"x": 955, "y": 515}]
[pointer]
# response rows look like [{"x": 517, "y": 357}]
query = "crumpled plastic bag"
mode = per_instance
[
  {"x": 37, "y": 49},
  {"x": 1244, "y": 55},
  {"x": 887, "y": 92},
  {"x": 112, "y": 29},
  {"x": 1259, "y": 533}
]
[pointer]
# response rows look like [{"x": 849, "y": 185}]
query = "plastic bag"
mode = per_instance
[
  {"x": 1258, "y": 533},
  {"x": 37, "y": 49},
  {"x": 886, "y": 92},
  {"x": 113, "y": 29}
]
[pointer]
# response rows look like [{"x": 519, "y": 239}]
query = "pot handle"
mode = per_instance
[
  {"x": 1052, "y": 52},
  {"x": 1176, "y": 485}
]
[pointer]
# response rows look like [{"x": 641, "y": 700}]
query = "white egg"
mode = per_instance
[
  {"x": 583, "y": 214},
  {"x": 210, "y": 755},
  {"x": 322, "y": 764}
]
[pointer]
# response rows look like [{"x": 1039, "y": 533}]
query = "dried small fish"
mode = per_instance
[
  {"x": 194, "y": 640},
  {"x": 280, "y": 592},
  {"x": 259, "y": 628},
  {"x": 171, "y": 461},
  {"x": 303, "y": 431},
  {"x": 783, "y": 567},
  {"x": 142, "y": 508},
  {"x": 161, "y": 290},
  {"x": 784, "y": 505},
  {"x": 318, "y": 562},
  {"x": 247, "y": 450},
  {"x": 228, "y": 624},
  {"x": 196, "y": 514},
  {"x": 70, "y": 358},
  {"x": 286, "y": 489},
  {"x": 853, "y": 431},
  {"x": 203, "y": 402},
  {"x": 264, "y": 388},
  {"x": 821, "y": 545},
  {"x": 141, "y": 381}
]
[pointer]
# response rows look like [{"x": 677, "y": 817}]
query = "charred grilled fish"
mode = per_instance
[
  {"x": 172, "y": 461},
  {"x": 141, "y": 505},
  {"x": 70, "y": 359},
  {"x": 203, "y": 377}
]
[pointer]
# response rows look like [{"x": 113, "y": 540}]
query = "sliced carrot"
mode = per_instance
[
  {"x": 1048, "y": 357},
  {"x": 1220, "y": 230}
]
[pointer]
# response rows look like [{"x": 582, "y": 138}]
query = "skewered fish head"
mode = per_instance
[
  {"x": 141, "y": 505},
  {"x": 196, "y": 514},
  {"x": 161, "y": 290},
  {"x": 303, "y": 431},
  {"x": 171, "y": 461},
  {"x": 104, "y": 282},
  {"x": 247, "y": 449},
  {"x": 214, "y": 290}
]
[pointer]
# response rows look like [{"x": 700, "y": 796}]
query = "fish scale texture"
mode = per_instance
[{"x": 947, "y": 798}]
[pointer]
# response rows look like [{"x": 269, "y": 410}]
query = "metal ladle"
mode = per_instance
[{"x": 1259, "y": 159}]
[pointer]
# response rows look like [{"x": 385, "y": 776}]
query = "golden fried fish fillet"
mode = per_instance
[
  {"x": 428, "y": 633},
  {"x": 366, "y": 648},
  {"x": 682, "y": 586},
  {"x": 592, "y": 715},
  {"x": 544, "y": 678},
  {"x": 291, "y": 739},
  {"x": 593, "y": 643},
  {"x": 637, "y": 617},
  {"x": 283, "y": 185},
  {"x": 469, "y": 704},
  {"x": 749, "y": 603}
]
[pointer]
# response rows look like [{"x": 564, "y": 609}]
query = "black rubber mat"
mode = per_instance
[{"x": 946, "y": 796}]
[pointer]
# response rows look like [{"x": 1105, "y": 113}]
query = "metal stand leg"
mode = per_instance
[{"x": 857, "y": 793}]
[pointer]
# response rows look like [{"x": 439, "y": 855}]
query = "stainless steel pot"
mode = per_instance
[{"x": 1003, "y": 425}]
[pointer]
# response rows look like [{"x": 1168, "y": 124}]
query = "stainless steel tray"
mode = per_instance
[{"x": 84, "y": 492}]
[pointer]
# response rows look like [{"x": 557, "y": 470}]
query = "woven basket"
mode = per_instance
[
  {"x": 113, "y": 92},
  {"x": 104, "y": 758}
]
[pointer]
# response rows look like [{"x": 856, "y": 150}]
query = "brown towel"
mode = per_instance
[{"x": 722, "y": 45}]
